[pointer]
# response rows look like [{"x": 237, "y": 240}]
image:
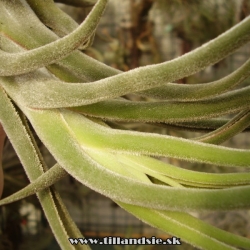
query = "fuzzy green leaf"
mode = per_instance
[
  {"x": 18, "y": 63},
  {"x": 33, "y": 34},
  {"x": 140, "y": 78},
  {"x": 62, "y": 225},
  {"x": 50, "y": 14},
  {"x": 206, "y": 125},
  {"x": 58, "y": 128},
  {"x": 179, "y": 224},
  {"x": 187, "y": 177},
  {"x": 188, "y": 228},
  {"x": 168, "y": 111},
  {"x": 227, "y": 131},
  {"x": 191, "y": 92},
  {"x": 44, "y": 181}
]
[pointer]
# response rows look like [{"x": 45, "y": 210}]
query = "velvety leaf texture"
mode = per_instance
[{"x": 85, "y": 112}]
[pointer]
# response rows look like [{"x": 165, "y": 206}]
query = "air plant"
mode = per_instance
[{"x": 69, "y": 99}]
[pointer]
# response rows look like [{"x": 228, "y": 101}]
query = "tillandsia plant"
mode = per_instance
[{"x": 73, "y": 103}]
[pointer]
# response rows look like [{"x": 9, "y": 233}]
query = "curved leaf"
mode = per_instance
[
  {"x": 188, "y": 228},
  {"x": 50, "y": 15},
  {"x": 47, "y": 179},
  {"x": 38, "y": 92},
  {"x": 18, "y": 63},
  {"x": 227, "y": 131},
  {"x": 26, "y": 149},
  {"x": 206, "y": 125},
  {"x": 95, "y": 136},
  {"x": 149, "y": 76},
  {"x": 54, "y": 128},
  {"x": 191, "y": 92},
  {"x": 168, "y": 111},
  {"x": 76, "y": 67},
  {"x": 187, "y": 177}
]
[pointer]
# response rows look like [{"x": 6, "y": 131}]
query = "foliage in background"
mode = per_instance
[{"x": 75, "y": 105}]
